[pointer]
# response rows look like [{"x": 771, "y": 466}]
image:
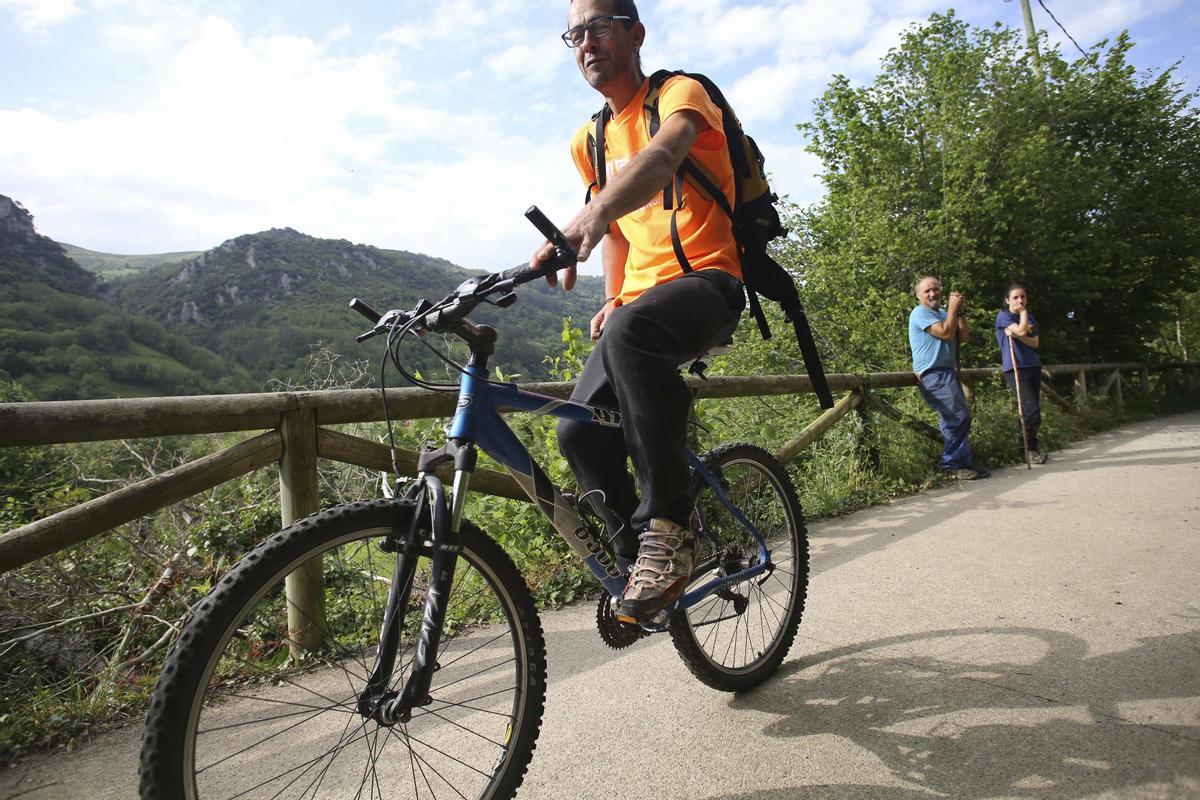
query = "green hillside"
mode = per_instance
[
  {"x": 264, "y": 301},
  {"x": 62, "y": 336},
  {"x": 111, "y": 265}
]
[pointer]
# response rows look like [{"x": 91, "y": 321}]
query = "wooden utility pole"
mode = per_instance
[{"x": 1031, "y": 38}]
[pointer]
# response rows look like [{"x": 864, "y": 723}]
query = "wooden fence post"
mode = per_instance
[
  {"x": 817, "y": 427},
  {"x": 1117, "y": 392},
  {"x": 867, "y": 445},
  {"x": 1055, "y": 397},
  {"x": 1081, "y": 394},
  {"x": 968, "y": 388},
  {"x": 300, "y": 495}
]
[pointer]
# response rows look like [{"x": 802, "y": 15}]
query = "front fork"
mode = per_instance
[{"x": 444, "y": 521}]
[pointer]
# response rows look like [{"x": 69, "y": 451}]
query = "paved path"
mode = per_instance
[{"x": 1036, "y": 635}]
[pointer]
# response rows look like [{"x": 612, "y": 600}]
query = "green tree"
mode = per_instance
[{"x": 959, "y": 161}]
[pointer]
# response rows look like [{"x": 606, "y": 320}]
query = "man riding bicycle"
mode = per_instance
[{"x": 656, "y": 314}]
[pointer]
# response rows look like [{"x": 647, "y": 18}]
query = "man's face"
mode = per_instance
[
  {"x": 1016, "y": 300},
  {"x": 930, "y": 293},
  {"x": 602, "y": 61}
]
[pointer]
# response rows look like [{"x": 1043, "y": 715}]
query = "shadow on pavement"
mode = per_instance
[{"x": 982, "y": 712}]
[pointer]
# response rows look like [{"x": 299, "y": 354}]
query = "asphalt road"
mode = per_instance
[{"x": 1034, "y": 635}]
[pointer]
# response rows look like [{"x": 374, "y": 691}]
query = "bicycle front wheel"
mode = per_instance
[
  {"x": 245, "y": 709},
  {"x": 736, "y": 637}
]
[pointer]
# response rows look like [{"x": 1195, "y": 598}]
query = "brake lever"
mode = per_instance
[
  {"x": 385, "y": 323},
  {"x": 392, "y": 319}
]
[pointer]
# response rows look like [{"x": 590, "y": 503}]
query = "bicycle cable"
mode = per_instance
[{"x": 395, "y": 337}]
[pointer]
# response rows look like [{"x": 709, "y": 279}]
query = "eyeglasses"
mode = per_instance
[{"x": 599, "y": 28}]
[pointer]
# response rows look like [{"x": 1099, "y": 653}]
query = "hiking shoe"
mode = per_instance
[
  {"x": 968, "y": 474},
  {"x": 660, "y": 574},
  {"x": 981, "y": 472},
  {"x": 1037, "y": 457}
]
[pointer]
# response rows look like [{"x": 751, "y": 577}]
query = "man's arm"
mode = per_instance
[
  {"x": 630, "y": 189},
  {"x": 1019, "y": 330},
  {"x": 613, "y": 255},
  {"x": 955, "y": 323}
]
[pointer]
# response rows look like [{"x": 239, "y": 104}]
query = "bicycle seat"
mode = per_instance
[{"x": 697, "y": 365}]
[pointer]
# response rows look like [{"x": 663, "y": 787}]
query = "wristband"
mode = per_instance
[{"x": 608, "y": 300}]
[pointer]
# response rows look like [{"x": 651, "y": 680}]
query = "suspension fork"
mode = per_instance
[
  {"x": 445, "y": 520},
  {"x": 407, "y": 551}
]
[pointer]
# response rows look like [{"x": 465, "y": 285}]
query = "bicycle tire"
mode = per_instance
[
  {"x": 227, "y": 720},
  {"x": 726, "y": 647}
]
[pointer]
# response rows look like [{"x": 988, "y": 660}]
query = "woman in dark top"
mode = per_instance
[{"x": 1015, "y": 324}]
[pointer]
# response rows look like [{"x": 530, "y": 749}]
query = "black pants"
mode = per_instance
[
  {"x": 635, "y": 368},
  {"x": 1031, "y": 402}
]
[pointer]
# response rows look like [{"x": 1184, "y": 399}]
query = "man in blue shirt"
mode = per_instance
[{"x": 934, "y": 336}]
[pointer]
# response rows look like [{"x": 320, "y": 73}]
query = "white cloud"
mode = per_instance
[
  {"x": 774, "y": 92},
  {"x": 341, "y": 32},
  {"x": 35, "y": 17},
  {"x": 793, "y": 170},
  {"x": 866, "y": 59},
  {"x": 457, "y": 20},
  {"x": 537, "y": 63},
  {"x": 824, "y": 25},
  {"x": 683, "y": 31},
  {"x": 1089, "y": 21}
]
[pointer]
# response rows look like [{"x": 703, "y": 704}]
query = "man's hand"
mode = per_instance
[
  {"x": 956, "y": 302},
  {"x": 585, "y": 231},
  {"x": 600, "y": 319},
  {"x": 544, "y": 253}
]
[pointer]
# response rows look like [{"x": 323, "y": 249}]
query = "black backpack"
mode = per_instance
[{"x": 754, "y": 216}]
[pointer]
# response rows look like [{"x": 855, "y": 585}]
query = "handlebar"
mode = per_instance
[
  {"x": 364, "y": 309},
  {"x": 449, "y": 313}
]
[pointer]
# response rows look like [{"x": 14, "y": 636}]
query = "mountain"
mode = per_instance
[
  {"x": 264, "y": 301},
  {"x": 62, "y": 337},
  {"x": 110, "y": 265}
]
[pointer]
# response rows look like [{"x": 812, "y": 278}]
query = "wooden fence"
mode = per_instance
[{"x": 296, "y": 437}]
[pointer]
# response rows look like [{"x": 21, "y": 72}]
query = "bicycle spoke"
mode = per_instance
[
  {"x": 271, "y": 719},
  {"x": 445, "y": 686},
  {"x": 275, "y": 777}
]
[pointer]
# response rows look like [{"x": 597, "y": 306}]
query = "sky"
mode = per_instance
[{"x": 150, "y": 126}]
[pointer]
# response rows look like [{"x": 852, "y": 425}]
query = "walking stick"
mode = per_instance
[{"x": 1012, "y": 355}]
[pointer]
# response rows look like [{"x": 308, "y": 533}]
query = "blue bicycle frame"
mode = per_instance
[{"x": 477, "y": 421}]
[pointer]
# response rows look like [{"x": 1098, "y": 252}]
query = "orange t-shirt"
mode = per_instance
[{"x": 704, "y": 229}]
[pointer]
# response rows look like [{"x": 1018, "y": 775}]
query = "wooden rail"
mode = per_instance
[{"x": 296, "y": 438}]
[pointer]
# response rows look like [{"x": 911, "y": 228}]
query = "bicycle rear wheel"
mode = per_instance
[
  {"x": 735, "y": 638},
  {"x": 243, "y": 710}
]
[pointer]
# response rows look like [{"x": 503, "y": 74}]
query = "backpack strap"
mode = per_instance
[
  {"x": 595, "y": 142},
  {"x": 673, "y": 192},
  {"x": 676, "y": 242},
  {"x": 732, "y": 128},
  {"x": 808, "y": 348}
]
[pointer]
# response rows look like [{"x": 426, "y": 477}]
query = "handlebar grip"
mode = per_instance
[
  {"x": 526, "y": 273},
  {"x": 365, "y": 310},
  {"x": 553, "y": 235}
]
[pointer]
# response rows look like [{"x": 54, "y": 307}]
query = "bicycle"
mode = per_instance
[{"x": 428, "y": 672}]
